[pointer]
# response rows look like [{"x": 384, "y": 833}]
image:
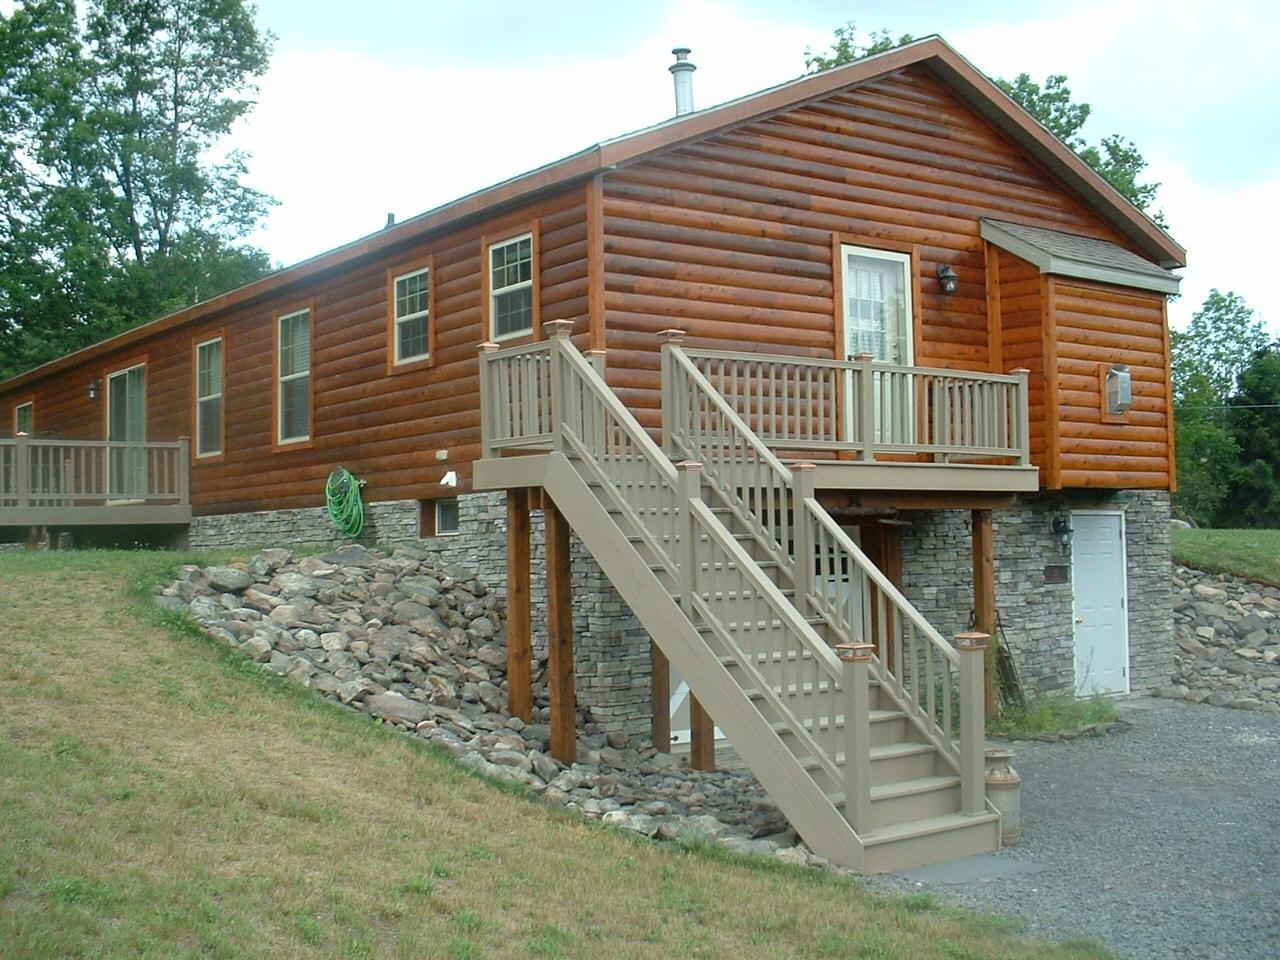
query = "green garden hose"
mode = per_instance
[{"x": 345, "y": 509}]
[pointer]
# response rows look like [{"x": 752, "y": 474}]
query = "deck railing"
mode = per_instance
[
  {"x": 68, "y": 474},
  {"x": 874, "y": 409}
]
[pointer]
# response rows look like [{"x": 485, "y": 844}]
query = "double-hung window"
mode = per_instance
[
  {"x": 24, "y": 418},
  {"x": 412, "y": 318},
  {"x": 293, "y": 394},
  {"x": 511, "y": 287},
  {"x": 209, "y": 398}
]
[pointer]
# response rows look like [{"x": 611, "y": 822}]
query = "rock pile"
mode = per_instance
[
  {"x": 420, "y": 644},
  {"x": 1228, "y": 635}
]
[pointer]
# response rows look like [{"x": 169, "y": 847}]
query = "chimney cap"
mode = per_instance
[{"x": 682, "y": 60}]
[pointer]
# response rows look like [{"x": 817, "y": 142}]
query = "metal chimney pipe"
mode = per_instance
[{"x": 682, "y": 74}]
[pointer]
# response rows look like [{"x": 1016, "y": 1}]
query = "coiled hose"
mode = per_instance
[{"x": 342, "y": 492}]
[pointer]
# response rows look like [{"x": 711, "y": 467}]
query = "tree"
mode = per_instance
[
  {"x": 1208, "y": 360},
  {"x": 119, "y": 203},
  {"x": 1115, "y": 158},
  {"x": 1254, "y": 499}
]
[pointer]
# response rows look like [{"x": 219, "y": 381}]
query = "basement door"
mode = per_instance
[{"x": 1099, "y": 602}]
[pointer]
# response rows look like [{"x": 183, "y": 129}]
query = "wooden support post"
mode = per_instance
[
  {"x": 702, "y": 737},
  {"x": 564, "y": 746},
  {"x": 519, "y": 632},
  {"x": 660, "y": 694},
  {"x": 984, "y": 597}
]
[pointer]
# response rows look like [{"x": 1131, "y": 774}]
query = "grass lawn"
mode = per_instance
[
  {"x": 163, "y": 798},
  {"x": 1246, "y": 553}
]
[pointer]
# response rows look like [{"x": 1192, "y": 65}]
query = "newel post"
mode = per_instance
[
  {"x": 973, "y": 732},
  {"x": 184, "y": 471},
  {"x": 558, "y": 332},
  {"x": 670, "y": 340},
  {"x": 855, "y": 661},
  {"x": 702, "y": 735},
  {"x": 1022, "y": 415},
  {"x": 865, "y": 405},
  {"x": 802, "y": 490},
  {"x": 22, "y": 461},
  {"x": 487, "y": 399}
]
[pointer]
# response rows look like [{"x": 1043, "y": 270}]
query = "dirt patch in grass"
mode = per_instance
[{"x": 163, "y": 798}]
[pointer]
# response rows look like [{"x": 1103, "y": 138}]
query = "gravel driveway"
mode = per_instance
[{"x": 1160, "y": 841}]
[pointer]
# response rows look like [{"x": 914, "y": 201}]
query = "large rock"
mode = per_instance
[
  {"x": 228, "y": 579},
  {"x": 395, "y": 706}
]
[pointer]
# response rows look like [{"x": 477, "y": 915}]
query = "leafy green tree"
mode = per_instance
[
  {"x": 1254, "y": 499},
  {"x": 1208, "y": 359},
  {"x": 119, "y": 202},
  {"x": 1115, "y": 158}
]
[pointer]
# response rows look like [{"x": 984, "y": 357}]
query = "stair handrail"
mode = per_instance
[
  {"x": 760, "y": 471},
  {"x": 582, "y": 400}
]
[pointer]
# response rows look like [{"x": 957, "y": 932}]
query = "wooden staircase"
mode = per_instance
[{"x": 839, "y": 696}]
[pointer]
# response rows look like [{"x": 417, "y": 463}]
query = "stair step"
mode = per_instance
[
  {"x": 757, "y": 624},
  {"x": 886, "y": 753},
  {"x": 930, "y": 826},
  {"x": 909, "y": 788},
  {"x": 824, "y": 723},
  {"x": 636, "y": 538},
  {"x": 733, "y": 594},
  {"x": 719, "y": 566}
]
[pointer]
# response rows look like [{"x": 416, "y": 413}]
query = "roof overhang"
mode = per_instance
[{"x": 1061, "y": 266}]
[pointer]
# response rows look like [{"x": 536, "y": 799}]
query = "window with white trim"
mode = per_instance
[
  {"x": 24, "y": 418},
  {"x": 511, "y": 287},
  {"x": 412, "y": 301},
  {"x": 446, "y": 516},
  {"x": 209, "y": 398},
  {"x": 293, "y": 394}
]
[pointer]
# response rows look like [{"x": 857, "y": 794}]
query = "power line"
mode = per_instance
[{"x": 1232, "y": 406}]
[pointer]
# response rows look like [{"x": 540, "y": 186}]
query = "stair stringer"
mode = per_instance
[{"x": 798, "y": 796}]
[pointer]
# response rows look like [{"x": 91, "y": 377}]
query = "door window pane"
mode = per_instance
[
  {"x": 877, "y": 305},
  {"x": 24, "y": 419}
]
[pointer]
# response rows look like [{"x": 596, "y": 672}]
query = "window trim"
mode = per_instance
[
  {"x": 436, "y": 511},
  {"x": 873, "y": 246},
  {"x": 487, "y": 243},
  {"x": 218, "y": 335},
  {"x": 394, "y": 274},
  {"x": 29, "y": 402},
  {"x": 278, "y": 317}
]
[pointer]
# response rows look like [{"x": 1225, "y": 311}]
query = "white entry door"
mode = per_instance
[
  {"x": 1099, "y": 603},
  {"x": 877, "y": 321},
  {"x": 127, "y": 424}
]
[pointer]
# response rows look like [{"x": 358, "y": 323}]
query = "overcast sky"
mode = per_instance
[{"x": 399, "y": 106}]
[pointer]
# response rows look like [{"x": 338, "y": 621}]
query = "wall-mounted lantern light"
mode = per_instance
[
  {"x": 1061, "y": 527},
  {"x": 95, "y": 388},
  {"x": 947, "y": 278},
  {"x": 1119, "y": 389}
]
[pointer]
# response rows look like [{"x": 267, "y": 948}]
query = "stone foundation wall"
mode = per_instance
[
  {"x": 1033, "y": 582},
  {"x": 611, "y": 648}
]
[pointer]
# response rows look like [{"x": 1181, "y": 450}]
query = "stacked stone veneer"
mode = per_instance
[
  {"x": 611, "y": 648},
  {"x": 1035, "y": 607}
]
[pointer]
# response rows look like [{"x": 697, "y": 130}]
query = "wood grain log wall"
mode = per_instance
[{"x": 385, "y": 428}]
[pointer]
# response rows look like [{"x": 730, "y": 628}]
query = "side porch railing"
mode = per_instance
[
  {"x": 874, "y": 410},
  {"x": 46, "y": 474}
]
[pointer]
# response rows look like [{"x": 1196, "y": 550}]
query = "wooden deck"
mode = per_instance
[{"x": 68, "y": 483}]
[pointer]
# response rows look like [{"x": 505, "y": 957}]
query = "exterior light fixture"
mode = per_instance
[
  {"x": 1119, "y": 389},
  {"x": 1061, "y": 528},
  {"x": 450, "y": 479},
  {"x": 95, "y": 388},
  {"x": 947, "y": 278}
]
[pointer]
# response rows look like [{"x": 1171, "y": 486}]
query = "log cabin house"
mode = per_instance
[{"x": 789, "y": 403}]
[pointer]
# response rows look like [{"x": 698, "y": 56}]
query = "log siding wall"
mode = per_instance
[{"x": 386, "y": 429}]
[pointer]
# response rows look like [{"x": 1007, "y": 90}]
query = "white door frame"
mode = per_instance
[
  {"x": 1124, "y": 593},
  {"x": 129, "y": 459}
]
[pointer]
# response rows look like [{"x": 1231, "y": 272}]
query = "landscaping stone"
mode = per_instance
[
  {"x": 1228, "y": 635},
  {"x": 420, "y": 643}
]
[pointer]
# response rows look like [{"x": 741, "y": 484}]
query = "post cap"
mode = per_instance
[
  {"x": 671, "y": 336},
  {"x": 1020, "y": 371},
  {"x": 22, "y": 434},
  {"x": 864, "y": 356},
  {"x": 804, "y": 467},
  {"x": 854, "y": 652},
  {"x": 488, "y": 346},
  {"x": 689, "y": 465},
  {"x": 558, "y": 328},
  {"x": 972, "y": 640}
]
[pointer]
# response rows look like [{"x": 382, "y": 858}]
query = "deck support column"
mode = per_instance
[
  {"x": 660, "y": 694},
  {"x": 560, "y": 680},
  {"x": 519, "y": 632},
  {"x": 702, "y": 737},
  {"x": 984, "y": 598}
]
